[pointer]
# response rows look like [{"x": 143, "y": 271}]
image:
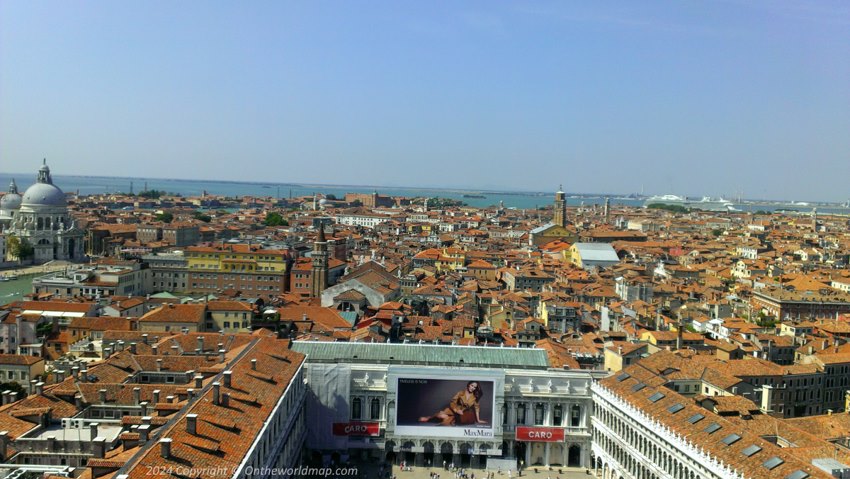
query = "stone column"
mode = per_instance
[{"x": 546, "y": 451}]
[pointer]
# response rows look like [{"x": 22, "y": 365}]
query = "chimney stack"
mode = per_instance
[
  {"x": 190, "y": 393},
  {"x": 225, "y": 400},
  {"x": 159, "y": 364},
  {"x": 144, "y": 405},
  {"x": 165, "y": 447},
  {"x": 155, "y": 350},
  {"x": 227, "y": 378},
  {"x": 133, "y": 348},
  {"x": 155, "y": 397},
  {"x": 192, "y": 424},
  {"x": 93, "y": 427},
  {"x": 137, "y": 395},
  {"x": 99, "y": 447},
  {"x": 145, "y": 338},
  {"x": 199, "y": 381},
  {"x": 102, "y": 396},
  {"x": 84, "y": 374},
  {"x": 78, "y": 401},
  {"x": 32, "y": 386},
  {"x": 39, "y": 388},
  {"x": 201, "y": 343},
  {"x": 143, "y": 430},
  {"x": 75, "y": 372},
  {"x": 216, "y": 393},
  {"x": 254, "y": 364},
  {"x": 4, "y": 443}
]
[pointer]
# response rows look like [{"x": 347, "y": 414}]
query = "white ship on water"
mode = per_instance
[{"x": 706, "y": 203}]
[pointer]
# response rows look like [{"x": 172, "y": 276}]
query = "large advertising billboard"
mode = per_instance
[{"x": 456, "y": 407}]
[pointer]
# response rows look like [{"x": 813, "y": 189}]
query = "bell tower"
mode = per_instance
[
  {"x": 320, "y": 264},
  {"x": 560, "y": 214}
]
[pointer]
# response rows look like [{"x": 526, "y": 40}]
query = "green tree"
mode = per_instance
[
  {"x": 165, "y": 217},
  {"x": 151, "y": 194},
  {"x": 273, "y": 218},
  {"x": 717, "y": 232},
  {"x": 18, "y": 248},
  {"x": 202, "y": 217},
  {"x": 671, "y": 208},
  {"x": 11, "y": 386}
]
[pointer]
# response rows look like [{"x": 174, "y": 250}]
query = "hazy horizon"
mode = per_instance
[{"x": 723, "y": 98}]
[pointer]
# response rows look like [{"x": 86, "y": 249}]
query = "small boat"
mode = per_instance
[
  {"x": 3, "y": 278},
  {"x": 11, "y": 277}
]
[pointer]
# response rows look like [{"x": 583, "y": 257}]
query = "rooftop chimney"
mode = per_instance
[
  {"x": 192, "y": 424},
  {"x": 227, "y": 378},
  {"x": 216, "y": 393},
  {"x": 221, "y": 355},
  {"x": 165, "y": 447},
  {"x": 133, "y": 348},
  {"x": 32, "y": 386},
  {"x": 199, "y": 381},
  {"x": 137, "y": 395},
  {"x": 93, "y": 427},
  {"x": 159, "y": 364},
  {"x": 155, "y": 397},
  {"x": 254, "y": 364},
  {"x": 143, "y": 430},
  {"x": 145, "y": 338},
  {"x": 154, "y": 349},
  {"x": 201, "y": 343},
  {"x": 102, "y": 396},
  {"x": 39, "y": 388},
  {"x": 78, "y": 401},
  {"x": 225, "y": 400},
  {"x": 99, "y": 447},
  {"x": 84, "y": 374},
  {"x": 144, "y": 405},
  {"x": 75, "y": 372}
]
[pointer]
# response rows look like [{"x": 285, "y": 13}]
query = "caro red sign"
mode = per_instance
[
  {"x": 357, "y": 429},
  {"x": 539, "y": 434}
]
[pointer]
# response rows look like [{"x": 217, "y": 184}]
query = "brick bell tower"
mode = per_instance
[{"x": 320, "y": 264}]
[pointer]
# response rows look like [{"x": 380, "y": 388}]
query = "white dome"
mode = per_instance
[
  {"x": 11, "y": 200},
  {"x": 43, "y": 194}
]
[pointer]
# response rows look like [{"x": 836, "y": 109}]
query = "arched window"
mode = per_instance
[
  {"x": 39, "y": 223},
  {"x": 575, "y": 415},
  {"x": 375, "y": 409},
  {"x": 520, "y": 414},
  {"x": 538, "y": 414},
  {"x": 558, "y": 415},
  {"x": 356, "y": 408}
]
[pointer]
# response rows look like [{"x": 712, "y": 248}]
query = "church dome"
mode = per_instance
[
  {"x": 11, "y": 200},
  {"x": 44, "y": 192}
]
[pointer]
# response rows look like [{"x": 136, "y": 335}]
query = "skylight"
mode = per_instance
[
  {"x": 730, "y": 439},
  {"x": 675, "y": 408},
  {"x": 623, "y": 377},
  {"x": 712, "y": 428},
  {"x": 637, "y": 387},
  {"x": 696, "y": 418},
  {"x": 656, "y": 397},
  {"x": 772, "y": 463},
  {"x": 750, "y": 450}
]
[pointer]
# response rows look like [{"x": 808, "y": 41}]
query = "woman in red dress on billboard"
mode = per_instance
[{"x": 463, "y": 409}]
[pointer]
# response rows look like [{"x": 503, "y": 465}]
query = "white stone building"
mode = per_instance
[
  {"x": 539, "y": 416},
  {"x": 43, "y": 221}
]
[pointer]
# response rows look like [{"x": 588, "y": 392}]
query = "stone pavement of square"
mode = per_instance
[{"x": 371, "y": 470}]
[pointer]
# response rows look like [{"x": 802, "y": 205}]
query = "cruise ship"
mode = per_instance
[{"x": 706, "y": 203}]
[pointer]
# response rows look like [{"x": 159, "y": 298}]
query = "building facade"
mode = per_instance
[{"x": 383, "y": 401}]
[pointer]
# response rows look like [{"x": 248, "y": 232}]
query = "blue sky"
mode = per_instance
[{"x": 699, "y": 98}]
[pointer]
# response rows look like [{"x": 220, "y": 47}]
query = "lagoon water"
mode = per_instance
[{"x": 88, "y": 185}]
